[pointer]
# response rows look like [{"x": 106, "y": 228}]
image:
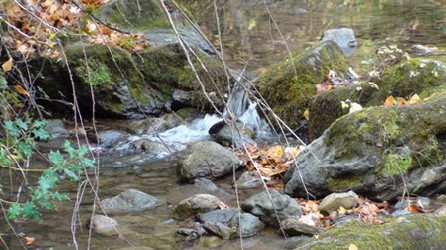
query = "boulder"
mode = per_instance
[
  {"x": 418, "y": 231},
  {"x": 272, "y": 209},
  {"x": 294, "y": 227},
  {"x": 128, "y": 201},
  {"x": 234, "y": 135},
  {"x": 287, "y": 87},
  {"x": 56, "y": 128},
  {"x": 414, "y": 76},
  {"x": 376, "y": 152},
  {"x": 206, "y": 159},
  {"x": 102, "y": 224},
  {"x": 248, "y": 179},
  {"x": 199, "y": 203},
  {"x": 226, "y": 224},
  {"x": 108, "y": 138}
]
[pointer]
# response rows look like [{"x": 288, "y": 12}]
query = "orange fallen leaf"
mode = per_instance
[
  {"x": 390, "y": 101},
  {"x": 29, "y": 240},
  {"x": 21, "y": 90},
  {"x": 7, "y": 66}
]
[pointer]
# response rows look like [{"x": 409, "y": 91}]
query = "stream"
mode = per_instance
[{"x": 250, "y": 41}]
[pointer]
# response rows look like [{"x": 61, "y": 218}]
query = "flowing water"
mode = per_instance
[{"x": 250, "y": 41}]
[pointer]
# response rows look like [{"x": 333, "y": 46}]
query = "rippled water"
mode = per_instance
[{"x": 250, "y": 39}]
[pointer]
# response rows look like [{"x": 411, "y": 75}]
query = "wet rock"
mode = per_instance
[
  {"x": 424, "y": 231},
  {"x": 441, "y": 211},
  {"x": 205, "y": 184},
  {"x": 249, "y": 179},
  {"x": 287, "y": 92},
  {"x": 102, "y": 224},
  {"x": 225, "y": 223},
  {"x": 230, "y": 136},
  {"x": 151, "y": 147},
  {"x": 199, "y": 203},
  {"x": 206, "y": 159},
  {"x": 188, "y": 234},
  {"x": 128, "y": 201},
  {"x": 109, "y": 137},
  {"x": 294, "y": 227},
  {"x": 271, "y": 208},
  {"x": 333, "y": 201},
  {"x": 343, "y": 37},
  {"x": 368, "y": 151},
  {"x": 56, "y": 128}
]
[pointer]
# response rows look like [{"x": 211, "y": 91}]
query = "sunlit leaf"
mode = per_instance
[
  {"x": 21, "y": 90},
  {"x": 390, "y": 101},
  {"x": 7, "y": 66},
  {"x": 29, "y": 240}
]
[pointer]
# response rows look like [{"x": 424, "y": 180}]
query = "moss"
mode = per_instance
[
  {"x": 419, "y": 231},
  {"x": 288, "y": 86},
  {"x": 340, "y": 185},
  {"x": 96, "y": 73},
  {"x": 396, "y": 164}
]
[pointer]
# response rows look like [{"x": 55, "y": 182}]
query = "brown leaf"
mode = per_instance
[
  {"x": 7, "y": 66},
  {"x": 390, "y": 101},
  {"x": 29, "y": 240},
  {"x": 21, "y": 90}
]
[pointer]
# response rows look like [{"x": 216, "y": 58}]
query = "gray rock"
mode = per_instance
[
  {"x": 230, "y": 136},
  {"x": 199, "y": 203},
  {"x": 109, "y": 137},
  {"x": 343, "y": 37},
  {"x": 102, "y": 224},
  {"x": 205, "y": 184},
  {"x": 151, "y": 147},
  {"x": 293, "y": 227},
  {"x": 333, "y": 201},
  {"x": 57, "y": 128},
  {"x": 282, "y": 207},
  {"x": 225, "y": 223},
  {"x": 206, "y": 159},
  {"x": 128, "y": 201},
  {"x": 189, "y": 234},
  {"x": 249, "y": 179},
  {"x": 441, "y": 211}
]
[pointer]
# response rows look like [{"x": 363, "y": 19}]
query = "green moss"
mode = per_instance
[
  {"x": 418, "y": 231},
  {"x": 339, "y": 185},
  {"x": 288, "y": 86},
  {"x": 96, "y": 73},
  {"x": 396, "y": 164}
]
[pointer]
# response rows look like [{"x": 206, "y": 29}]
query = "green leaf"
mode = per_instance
[
  {"x": 73, "y": 176},
  {"x": 11, "y": 128},
  {"x": 21, "y": 124},
  {"x": 25, "y": 149},
  {"x": 30, "y": 210},
  {"x": 14, "y": 211},
  {"x": 41, "y": 134},
  {"x": 56, "y": 159}
]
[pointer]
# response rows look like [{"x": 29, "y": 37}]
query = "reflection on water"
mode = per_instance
[{"x": 250, "y": 39}]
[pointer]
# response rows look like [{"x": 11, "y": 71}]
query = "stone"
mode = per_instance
[
  {"x": 343, "y": 37},
  {"x": 294, "y": 227},
  {"x": 199, "y": 203},
  {"x": 333, "y": 201},
  {"x": 272, "y": 209},
  {"x": 108, "y": 138},
  {"x": 229, "y": 136},
  {"x": 206, "y": 159},
  {"x": 56, "y": 128},
  {"x": 128, "y": 201},
  {"x": 102, "y": 224},
  {"x": 248, "y": 179},
  {"x": 225, "y": 223}
]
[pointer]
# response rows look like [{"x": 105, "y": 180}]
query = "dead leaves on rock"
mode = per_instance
[
  {"x": 270, "y": 162},
  {"x": 400, "y": 101}
]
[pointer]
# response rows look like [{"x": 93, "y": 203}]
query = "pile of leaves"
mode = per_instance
[
  {"x": 270, "y": 162},
  {"x": 33, "y": 27}
]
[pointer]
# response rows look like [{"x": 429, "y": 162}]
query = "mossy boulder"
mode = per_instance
[
  {"x": 288, "y": 86},
  {"x": 418, "y": 231},
  {"x": 118, "y": 86},
  {"x": 378, "y": 152},
  {"x": 133, "y": 14},
  {"x": 166, "y": 68},
  {"x": 414, "y": 76}
]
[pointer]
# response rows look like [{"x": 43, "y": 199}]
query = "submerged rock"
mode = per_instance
[
  {"x": 128, "y": 201},
  {"x": 272, "y": 209},
  {"x": 206, "y": 159},
  {"x": 374, "y": 151},
  {"x": 102, "y": 224},
  {"x": 199, "y": 203},
  {"x": 226, "y": 224},
  {"x": 249, "y": 179}
]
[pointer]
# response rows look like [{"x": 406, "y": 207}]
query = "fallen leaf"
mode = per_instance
[
  {"x": 21, "y": 90},
  {"x": 7, "y": 66},
  {"x": 390, "y": 101},
  {"x": 414, "y": 99},
  {"x": 307, "y": 114},
  {"x": 352, "y": 247},
  {"x": 29, "y": 240}
]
